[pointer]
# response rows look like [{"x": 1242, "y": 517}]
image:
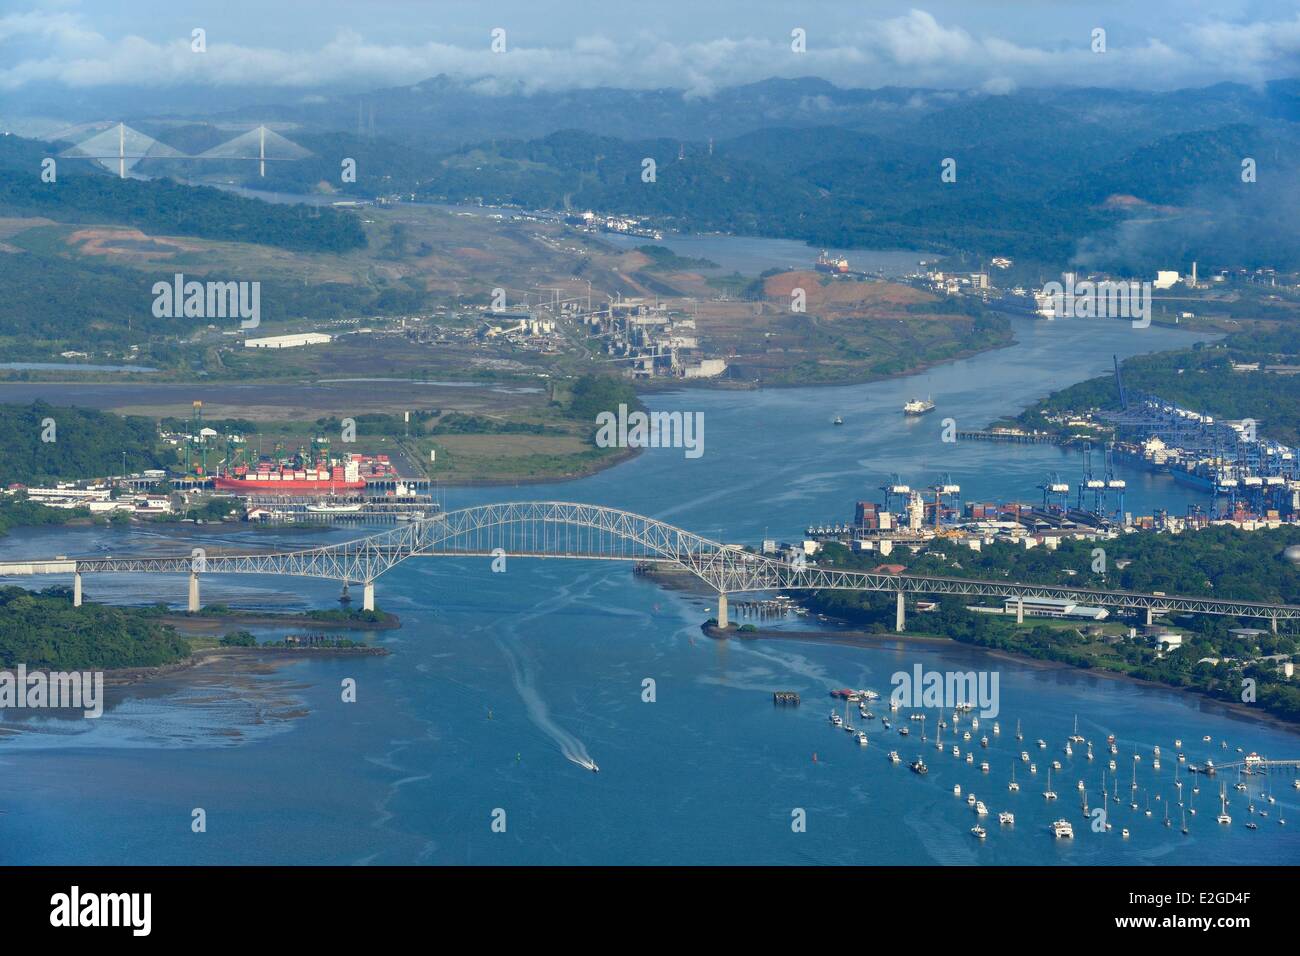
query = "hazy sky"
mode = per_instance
[{"x": 695, "y": 44}]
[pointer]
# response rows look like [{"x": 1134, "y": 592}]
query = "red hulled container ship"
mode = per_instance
[{"x": 270, "y": 477}]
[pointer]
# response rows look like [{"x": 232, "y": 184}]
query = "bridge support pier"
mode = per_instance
[
  {"x": 368, "y": 596},
  {"x": 722, "y": 609},
  {"x": 1272, "y": 623},
  {"x": 76, "y": 589},
  {"x": 1150, "y": 617},
  {"x": 1020, "y": 609},
  {"x": 900, "y": 614},
  {"x": 193, "y": 605}
]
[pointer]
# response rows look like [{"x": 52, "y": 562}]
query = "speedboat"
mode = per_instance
[
  {"x": 1024, "y": 756},
  {"x": 979, "y": 831},
  {"x": 956, "y": 790},
  {"x": 862, "y": 739}
]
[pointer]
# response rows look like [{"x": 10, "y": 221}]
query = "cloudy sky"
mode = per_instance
[{"x": 700, "y": 45}]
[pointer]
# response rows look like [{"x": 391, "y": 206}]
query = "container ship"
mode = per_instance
[
  {"x": 292, "y": 477},
  {"x": 828, "y": 263}
]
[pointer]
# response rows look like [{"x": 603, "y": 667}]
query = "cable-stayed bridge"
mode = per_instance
[
  {"x": 567, "y": 530},
  {"x": 121, "y": 146}
]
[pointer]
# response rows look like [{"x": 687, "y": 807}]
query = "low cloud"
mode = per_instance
[{"x": 44, "y": 49}]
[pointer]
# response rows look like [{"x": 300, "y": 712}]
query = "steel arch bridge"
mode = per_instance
[{"x": 559, "y": 529}]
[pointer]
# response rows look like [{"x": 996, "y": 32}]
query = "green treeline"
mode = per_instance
[
  {"x": 592, "y": 394},
  {"x": 44, "y": 630},
  {"x": 1203, "y": 380},
  {"x": 86, "y": 443},
  {"x": 1223, "y": 562},
  {"x": 1220, "y": 561},
  {"x": 160, "y": 206},
  {"x": 57, "y": 300}
]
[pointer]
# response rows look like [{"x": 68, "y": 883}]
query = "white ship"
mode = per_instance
[{"x": 918, "y": 406}]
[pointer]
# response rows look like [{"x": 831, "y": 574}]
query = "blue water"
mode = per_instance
[{"x": 493, "y": 678}]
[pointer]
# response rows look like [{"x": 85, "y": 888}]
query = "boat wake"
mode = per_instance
[
  {"x": 573, "y": 749},
  {"x": 521, "y": 674}
]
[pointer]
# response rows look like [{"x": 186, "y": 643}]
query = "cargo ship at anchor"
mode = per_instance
[{"x": 836, "y": 265}]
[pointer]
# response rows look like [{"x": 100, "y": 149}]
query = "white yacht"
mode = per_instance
[
  {"x": 979, "y": 831},
  {"x": 1006, "y": 818},
  {"x": 956, "y": 790},
  {"x": 980, "y": 809},
  {"x": 1062, "y": 830},
  {"x": 894, "y": 757},
  {"x": 862, "y": 739}
]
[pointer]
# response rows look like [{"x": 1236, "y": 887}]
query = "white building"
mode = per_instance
[
  {"x": 288, "y": 341},
  {"x": 1055, "y": 607}
]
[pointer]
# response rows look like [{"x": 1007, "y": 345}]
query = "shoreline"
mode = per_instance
[
  {"x": 858, "y": 638},
  {"x": 129, "y": 676},
  {"x": 214, "y": 623}
]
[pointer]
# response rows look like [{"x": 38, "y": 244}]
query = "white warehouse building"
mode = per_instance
[{"x": 288, "y": 341}]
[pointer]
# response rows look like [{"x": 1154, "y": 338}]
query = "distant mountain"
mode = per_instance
[{"x": 444, "y": 112}]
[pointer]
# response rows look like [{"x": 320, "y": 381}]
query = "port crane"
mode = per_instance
[{"x": 1056, "y": 493}]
